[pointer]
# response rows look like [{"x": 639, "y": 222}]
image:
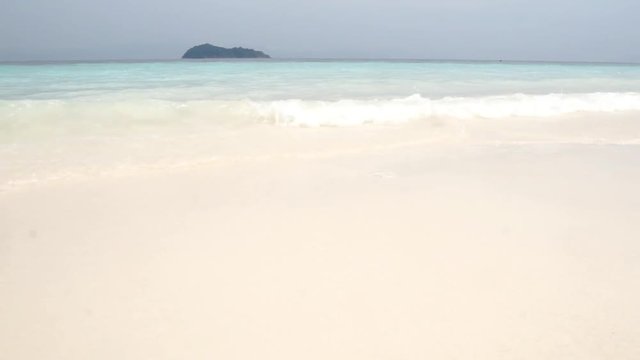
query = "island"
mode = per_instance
[{"x": 208, "y": 51}]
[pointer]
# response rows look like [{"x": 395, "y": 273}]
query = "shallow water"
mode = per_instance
[{"x": 79, "y": 118}]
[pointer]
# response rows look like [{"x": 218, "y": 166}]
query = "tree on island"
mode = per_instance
[{"x": 208, "y": 51}]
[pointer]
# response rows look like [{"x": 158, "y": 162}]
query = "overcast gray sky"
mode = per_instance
[{"x": 585, "y": 30}]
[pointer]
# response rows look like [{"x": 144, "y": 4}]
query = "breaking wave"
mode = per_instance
[
  {"x": 416, "y": 107},
  {"x": 103, "y": 114},
  {"x": 42, "y": 140}
]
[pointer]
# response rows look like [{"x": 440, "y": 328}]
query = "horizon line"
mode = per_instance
[{"x": 317, "y": 59}]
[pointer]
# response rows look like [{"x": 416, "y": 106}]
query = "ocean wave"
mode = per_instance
[
  {"x": 295, "y": 112},
  {"x": 416, "y": 107}
]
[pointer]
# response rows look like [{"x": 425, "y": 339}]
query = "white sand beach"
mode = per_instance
[{"x": 335, "y": 243}]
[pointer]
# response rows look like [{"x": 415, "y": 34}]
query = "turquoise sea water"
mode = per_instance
[
  {"x": 56, "y": 118},
  {"x": 307, "y": 80},
  {"x": 307, "y": 92}
]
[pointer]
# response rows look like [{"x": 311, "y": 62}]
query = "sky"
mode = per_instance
[{"x": 552, "y": 30}]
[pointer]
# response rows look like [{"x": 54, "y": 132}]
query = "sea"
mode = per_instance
[{"x": 70, "y": 119}]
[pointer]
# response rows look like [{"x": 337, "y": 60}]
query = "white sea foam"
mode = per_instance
[
  {"x": 28, "y": 115},
  {"x": 416, "y": 107},
  {"x": 42, "y": 140}
]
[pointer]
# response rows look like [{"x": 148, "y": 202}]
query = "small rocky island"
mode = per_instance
[{"x": 208, "y": 51}]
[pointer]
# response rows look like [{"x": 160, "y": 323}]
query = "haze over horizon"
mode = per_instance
[{"x": 570, "y": 30}]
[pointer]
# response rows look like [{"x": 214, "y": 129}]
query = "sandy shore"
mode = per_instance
[{"x": 423, "y": 251}]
